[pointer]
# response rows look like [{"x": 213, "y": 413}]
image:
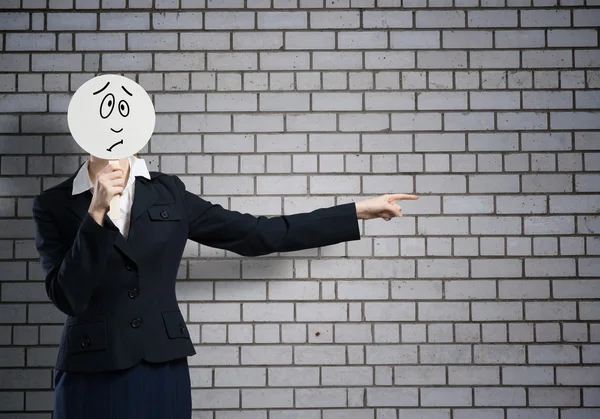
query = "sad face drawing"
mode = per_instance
[{"x": 111, "y": 117}]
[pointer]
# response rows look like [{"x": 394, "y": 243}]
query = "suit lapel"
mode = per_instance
[
  {"x": 145, "y": 196},
  {"x": 79, "y": 205}
]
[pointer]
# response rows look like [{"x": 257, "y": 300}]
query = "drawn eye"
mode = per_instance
[
  {"x": 123, "y": 108},
  {"x": 107, "y": 106}
]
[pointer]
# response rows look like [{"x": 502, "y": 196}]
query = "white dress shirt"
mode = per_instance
[{"x": 137, "y": 167}]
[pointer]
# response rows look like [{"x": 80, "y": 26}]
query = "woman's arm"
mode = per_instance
[
  {"x": 248, "y": 235},
  {"x": 71, "y": 274}
]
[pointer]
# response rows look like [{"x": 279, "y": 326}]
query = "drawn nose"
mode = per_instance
[{"x": 113, "y": 130}]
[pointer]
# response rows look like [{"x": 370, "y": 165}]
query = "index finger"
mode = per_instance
[{"x": 402, "y": 196}]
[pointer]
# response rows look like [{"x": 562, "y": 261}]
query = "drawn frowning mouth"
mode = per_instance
[
  {"x": 116, "y": 130},
  {"x": 114, "y": 145}
]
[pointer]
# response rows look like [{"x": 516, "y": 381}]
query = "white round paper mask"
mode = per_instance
[{"x": 111, "y": 117}]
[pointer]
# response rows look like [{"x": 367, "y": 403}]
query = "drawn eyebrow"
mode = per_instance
[
  {"x": 101, "y": 90},
  {"x": 126, "y": 91}
]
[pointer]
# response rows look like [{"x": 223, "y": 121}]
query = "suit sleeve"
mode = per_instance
[
  {"x": 71, "y": 274},
  {"x": 249, "y": 235}
]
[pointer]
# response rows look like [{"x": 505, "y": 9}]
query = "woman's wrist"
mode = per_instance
[
  {"x": 360, "y": 210},
  {"x": 97, "y": 214}
]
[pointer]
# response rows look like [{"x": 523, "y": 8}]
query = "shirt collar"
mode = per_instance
[{"x": 82, "y": 181}]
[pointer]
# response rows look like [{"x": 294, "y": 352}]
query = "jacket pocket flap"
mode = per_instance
[
  {"x": 175, "y": 325},
  {"x": 164, "y": 213},
  {"x": 86, "y": 337}
]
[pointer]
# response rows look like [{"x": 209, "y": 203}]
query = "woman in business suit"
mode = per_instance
[{"x": 124, "y": 348}]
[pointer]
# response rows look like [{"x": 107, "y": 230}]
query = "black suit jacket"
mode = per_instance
[{"x": 119, "y": 294}]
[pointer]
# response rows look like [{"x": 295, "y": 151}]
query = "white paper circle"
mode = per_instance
[{"x": 111, "y": 117}]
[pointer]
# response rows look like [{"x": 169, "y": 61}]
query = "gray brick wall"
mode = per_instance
[{"x": 481, "y": 303}]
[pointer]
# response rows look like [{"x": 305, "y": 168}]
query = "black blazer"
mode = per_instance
[{"x": 119, "y": 294}]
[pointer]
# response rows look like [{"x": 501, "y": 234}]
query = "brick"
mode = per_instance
[
  {"x": 266, "y": 355},
  {"x": 180, "y": 20},
  {"x": 587, "y": 58},
  {"x": 369, "y": 290},
  {"x": 293, "y": 376},
  {"x": 67, "y": 21},
  {"x": 284, "y": 61},
  {"x": 527, "y": 375},
  {"x": 443, "y": 225},
  {"x": 469, "y": 121},
  {"x": 389, "y": 60},
  {"x": 572, "y": 38},
  {"x": 440, "y": 19},
  {"x": 416, "y": 121},
  {"x": 420, "y": 290},
  {"x": 320, "y": 397},
  {"x": 393, "y": 397},
  {"x": 554, "y": 397},
  {"x": 347, "y": 376},
  {"x": 362, "y": 40},
  {"x": 492, "y": 18},
  {"x": 498, "y": 396},
  {"x": 14, "y": 62},
  {"x": 441, "y": 59},
  {"x": 494, "y": 59},
  {"x": 14, "y": 21},
  {"x": 387, "y": 19},
  {"x": 215, "y": 312},
  {"x": 257, "y": 41},
  {"x": 495, "y": 100},
  {"x": 321, "y": 312},
  {"x": 549, "y": 310},
  {"x": 545, "y": 18},
  {"x": 437, "y": 311},
  {"x": 549, "y": 225},
  {"x": 126, "y": 62},
  {"x": 472, "y": 289},
  {"x": 499, "y": 354},
  {"x": 576, "y": 289},
  {"x": 419, "y": 375},
  {"x": 24, "y": 379},
  {"x": 520, "y": 39},
  {"x": 553, "y": 354},
  {"x": 258, "y": 123},
  {"x": 267, "y": 398},
  {"x": 579, "y": 375},
  {"x": 56, "y": 62},
  {"x": 21, "y": 103},
  {"x": 443, "y": 354},
  {"x": 439, "y": 183},
  {"x": 152, "y": 41},
  {"x": 588, "y": 17},
  {"x": 30, "y": 42},
  {"x": 550, "y": 267},
  {"x": 587, "y": 100},
  {"x": 334, "y": 20},
  {"x": 216, "y": 399},
  {"x": 547, "y": 59},
  {"x": 473, "y": 375},
  {"x": 319, "y": 355},
  {"x": 99, "y": 41},
  {"x": 446, "y": 397},
  {"x": 410, "y": 40},
  {"x": 229, "y": 20}
]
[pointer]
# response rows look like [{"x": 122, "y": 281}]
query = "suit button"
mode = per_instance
[
  {"x": 129, "y": 267},
  {"x": 182, "y": 328},
  {"x": 133, "y": 293},
  {"x": 135, "y": 323},
  {"x": 86, "y": 343},
  {"x": 164, "y": 214}
]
